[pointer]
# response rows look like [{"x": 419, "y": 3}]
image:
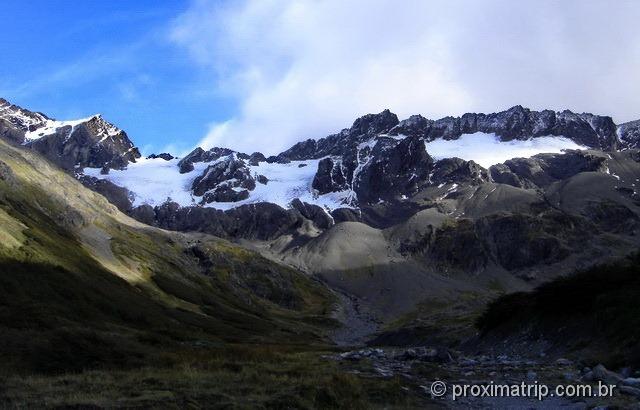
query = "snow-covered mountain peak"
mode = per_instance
[
  {"x": 90, "y": 141},
  {"x": 104, "y": 129},
  {"x": 20, "y": 118}
]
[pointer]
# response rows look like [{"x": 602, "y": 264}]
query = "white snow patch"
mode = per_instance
[
  {"x": 50, "y": 127},
  {"x": 287, "y": 182},
  {"x": 487, "y": 149},
  {"x": 398, "y": 137},
  {"x": 152, "y": 181}
]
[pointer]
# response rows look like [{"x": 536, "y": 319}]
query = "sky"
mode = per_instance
[{"x": 260, "y": 75}]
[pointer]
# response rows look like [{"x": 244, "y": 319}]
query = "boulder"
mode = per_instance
[
  {"x": 606, "y": 376},
  {"x": 262, "y": 179},
  {"x": 631, "y": 381},
  {"x": 632, "y": 391}
]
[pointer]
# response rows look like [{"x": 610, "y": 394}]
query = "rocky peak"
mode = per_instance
[
  {"x": 593, "y": 131},
  {"x": 522, "y": 123},
  {"x": 200, "y": 155},
  {"x": 372, "y": 124},
  {"x": 22, "y": 119},
  {"x": 16, "y": 121},
  {"x": 102, "y": 129},
  {"x": 90, "y": 142},
  {"x": 345, "y": 142},
  {"x": 629, "y": 134},
  {"x": 416, "y": 125}
]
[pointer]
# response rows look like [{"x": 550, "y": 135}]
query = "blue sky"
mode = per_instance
[
  {"x": 264, "y": 74},
  {"x": 71, "y": 59}
]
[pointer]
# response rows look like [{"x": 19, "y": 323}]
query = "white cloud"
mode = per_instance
[{"x": 307, "y": 68}]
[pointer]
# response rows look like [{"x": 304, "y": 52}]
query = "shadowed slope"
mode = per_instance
[{"x": 82, "y": 285}]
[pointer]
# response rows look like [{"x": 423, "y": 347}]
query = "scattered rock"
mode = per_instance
[
  {"x": 631, "y": 381},
  {"x": 165, "y": 156},
  {"x": 588, "y": 376},
  {"x": 363, "y": 354},
  {"x": 427, "y": 355},
  {"x": 6, "y": 174},
  {"x": 633, "y": 391},
  {"x": 607, "y": 376}
]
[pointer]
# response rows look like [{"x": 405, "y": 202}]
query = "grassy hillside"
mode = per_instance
[
  {"x": 70, "y": 262},
  {"x": 93, "y": 301},
  {"x": 593, "y": 314}
]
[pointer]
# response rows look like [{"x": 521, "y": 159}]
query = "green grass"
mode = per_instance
[{"x": 237, "y": 376}]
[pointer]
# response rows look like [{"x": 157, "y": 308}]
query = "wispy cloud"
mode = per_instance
[
  {"x": 90, "y": 66},
  {"x": 133, "y": 88},
  {"x": 305, "y": 68}
]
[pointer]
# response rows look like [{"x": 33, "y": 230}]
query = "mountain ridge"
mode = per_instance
[
  {"x": 88, "y": 142},
  {"x": 381, "y": 171}
]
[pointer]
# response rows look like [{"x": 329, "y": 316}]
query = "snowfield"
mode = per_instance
[
  {"x": 290, "y": 181},
  {"x": 50, "y": 127},
  {"x": 154, "y": 181},
  {"x": 487, "y": 149}
]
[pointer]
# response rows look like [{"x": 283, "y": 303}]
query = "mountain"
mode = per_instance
[
  {"x": 629, "y": 134},
  {"x": 513, "y": 197},
  {"x": 89, "y": 142},
  {"x": 98, "y": 310},
  {"x": 70, "y": 259},
  {"x": 233, "y": 278}
]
